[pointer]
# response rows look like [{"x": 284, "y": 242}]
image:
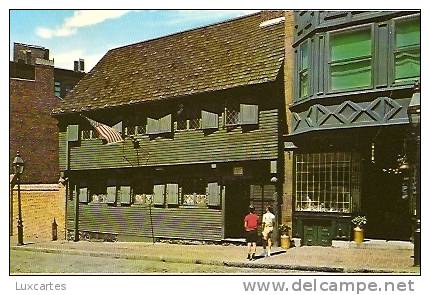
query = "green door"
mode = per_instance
[{"x": 316, "y": 235}]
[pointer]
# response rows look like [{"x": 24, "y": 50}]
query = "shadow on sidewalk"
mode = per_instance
[{"x": 273, "y": 253}]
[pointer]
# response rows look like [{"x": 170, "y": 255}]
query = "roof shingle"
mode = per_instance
[{"x": 221, "y": 56}]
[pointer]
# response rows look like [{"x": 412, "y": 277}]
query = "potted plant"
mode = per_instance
[
  {"x": 285, "y": 237},
  {"x": 359, "y": 222}
]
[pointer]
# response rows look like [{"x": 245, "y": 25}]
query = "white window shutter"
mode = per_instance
[
  {"x": 248, "y": 114},
  {"x": 165, "y": 124},
  {"x": 83, "y": 195},
  {"x": 159, "y": 194},
  {"x": 111, "y": 194},
  {"x": 209, "y": 120},
  {"x": 172, "y": 193},
  {"x": 152, "y": 126},
  {"x": 214, "y": 194},
  {"x": 125, "y": 195},
  {"x": 118, "y": 127}
]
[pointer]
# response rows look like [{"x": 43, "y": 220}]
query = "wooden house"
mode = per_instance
[{"x": 201, "y": 113}]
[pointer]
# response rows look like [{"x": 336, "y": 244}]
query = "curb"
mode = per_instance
[{"x": 209, "y": 262}]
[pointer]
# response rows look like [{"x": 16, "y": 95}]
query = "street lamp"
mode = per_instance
[
  {"x": 18, "y": 169},
  {"x": 414, "y": 115}
]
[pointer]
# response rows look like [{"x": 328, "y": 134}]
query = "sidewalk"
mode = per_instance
[{"x": 317, "y": 259}]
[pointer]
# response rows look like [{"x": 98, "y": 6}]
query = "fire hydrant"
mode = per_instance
[{"x": 54, "y": 230}]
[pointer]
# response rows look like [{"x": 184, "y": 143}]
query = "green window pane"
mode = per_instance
[
  {"x": 305, "y": 56},
  {"x": 407, "y": 65},
  {"x": 349, "y": 45},
  {"x": 407, "y": 33},
  {"x": 304, "y": 84},
  {"x": 353, "y": 74}
]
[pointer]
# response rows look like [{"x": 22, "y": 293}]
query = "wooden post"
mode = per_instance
[
  {"x": 76, "y": 220},
  {"x": 223, "y": 211},
  {"x": 11, "y": 210}
]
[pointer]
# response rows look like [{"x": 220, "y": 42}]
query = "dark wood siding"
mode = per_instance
[
  {"x": 182, "y": 223},
  {"x": 186, "y": 147}
]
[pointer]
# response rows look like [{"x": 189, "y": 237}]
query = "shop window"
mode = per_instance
[
  {"x": 304, "y": 70},
  {"x": 350, "y": 64},
  {"x": 327, "y": 182},
  {"x": 407, "y": 50},
  {"x": 194, "y": 193}
]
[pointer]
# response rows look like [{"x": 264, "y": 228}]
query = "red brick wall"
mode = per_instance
[{"x": 32, "y": 130}]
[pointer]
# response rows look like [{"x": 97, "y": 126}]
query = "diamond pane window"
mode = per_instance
[
  {"x": 189, "y": 119},
  {"x": 232, "y": 116},
  {"x": 351, "y": 59},
  {"x": 86, "y": 134},
  {"x": 407, "y": 50}
]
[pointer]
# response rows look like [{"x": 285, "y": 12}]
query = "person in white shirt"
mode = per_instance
[{"x": 268, "y": 223}]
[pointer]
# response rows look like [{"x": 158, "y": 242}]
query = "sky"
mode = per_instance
[{"x": 89, "y": 34}]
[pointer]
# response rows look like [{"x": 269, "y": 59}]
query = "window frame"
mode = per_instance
[
  {"x": 329, "y": 63},
  {"x": 57, "y": 84},
  {"x": 395, "y": 50},
  {"x": 326, "y": 165},
  {"x": 300, "y": 70},
  {"x": 230, "y": 107},
  {"x": 188, "y": 115}
]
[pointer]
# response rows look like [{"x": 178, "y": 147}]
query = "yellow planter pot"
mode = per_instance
[
  {"x": 285, "y": 242},
  {"x": 358, "y": 235}
]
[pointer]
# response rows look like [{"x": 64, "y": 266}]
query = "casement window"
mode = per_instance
[
  {"x": 304, "y": 70},
  {"x": 57, "y": 88},
  {"x": 188, "y": 119},
  {"x": 88, "y": 134},
  {"x": 194, "y": 193},
  {"x": 134, "y": 128},
  {"x": 327, "y": 182},
  {"x": 241, "y": 114},
  {"x": 350, "y": 59},
  {"x": 97, "y": 191},
  {"x": 232, "y": 115},
  {"x": 406, "y": 50},
  {"x": 143, "y": 192}
]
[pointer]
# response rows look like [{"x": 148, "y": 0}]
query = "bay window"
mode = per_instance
[
  {"x": 304, "y": 70},
  {"x": 407, "y": 50},
  {"x": 350, "y": 59}
]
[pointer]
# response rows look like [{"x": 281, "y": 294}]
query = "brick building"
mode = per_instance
[{"x": 36, "y": 87}]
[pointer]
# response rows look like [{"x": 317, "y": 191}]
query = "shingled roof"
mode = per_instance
[{"x": 243, "y": 51}]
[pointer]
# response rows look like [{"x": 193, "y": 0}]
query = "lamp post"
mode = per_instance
[
  {"x": 18, "y": 169},
  {"x": 414, "y": 115}
]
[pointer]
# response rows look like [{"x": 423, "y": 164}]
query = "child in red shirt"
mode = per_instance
[{"x": 251, "y": 225}]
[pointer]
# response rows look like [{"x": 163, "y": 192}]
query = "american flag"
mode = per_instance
[{"x": 105, "y": 131}]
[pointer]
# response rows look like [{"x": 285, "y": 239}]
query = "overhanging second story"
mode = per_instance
[
  {"x": 208, "y": 95},
  {"x": 354, "y": 68}
]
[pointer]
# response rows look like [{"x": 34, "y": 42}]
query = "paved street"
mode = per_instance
[
  {"x": 23, "y": 262},
  {"x": 163, "y": 257}
]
